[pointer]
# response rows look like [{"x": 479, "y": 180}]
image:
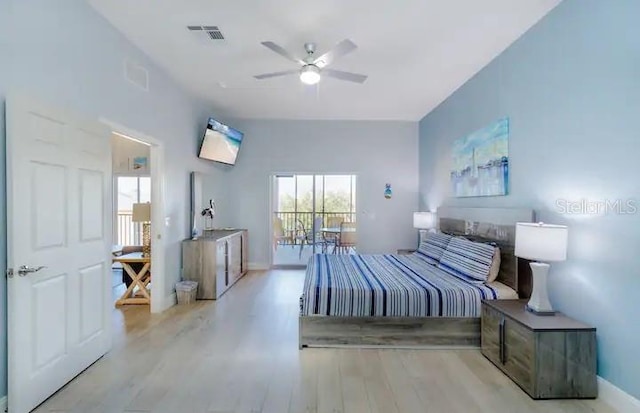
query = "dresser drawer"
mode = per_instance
[
  {"x": 519, "y": 358},
  {"x": 510, "y": 346},
  {"x": 490, "y": 333},
  {"x": 222, "y": 277}
]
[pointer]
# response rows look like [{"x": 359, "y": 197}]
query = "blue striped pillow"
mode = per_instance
[
  {"x": 433, "y": 246},
  {"x": 468, "y": 260}
]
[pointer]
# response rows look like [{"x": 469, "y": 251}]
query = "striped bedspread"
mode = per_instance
[{"x": 387, "y": 285}]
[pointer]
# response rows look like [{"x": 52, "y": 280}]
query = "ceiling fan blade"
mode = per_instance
[
  {"x": 348, "y": 76},
  {"x": 341, "y": 49},
  {"x": 276, "y": 74},
  {"x": 280, "y": 50}
]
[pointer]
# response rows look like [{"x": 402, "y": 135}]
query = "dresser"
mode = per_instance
[
  {"x": 549, "y": 357},
  {"x": 216, "y": 260}
]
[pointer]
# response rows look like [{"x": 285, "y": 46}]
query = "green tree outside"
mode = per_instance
[{"x": 333, "y": 202}]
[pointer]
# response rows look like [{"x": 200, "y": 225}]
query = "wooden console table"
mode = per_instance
[
  {"x": 216, "y": 261},
  {"x": 138, "y": 278}
]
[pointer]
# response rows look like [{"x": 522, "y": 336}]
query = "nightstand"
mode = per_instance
[
  {"x": 549, "y": 357},
  {"x": 405, "y": 251}
]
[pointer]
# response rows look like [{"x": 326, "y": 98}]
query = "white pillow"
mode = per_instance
[{"x": 495, "y": 266}]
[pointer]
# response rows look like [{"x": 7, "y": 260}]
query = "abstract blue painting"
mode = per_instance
[{"x": 481, "y": 162}]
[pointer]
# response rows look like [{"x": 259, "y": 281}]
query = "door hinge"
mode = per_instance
[{"x": 9, "y": 273}]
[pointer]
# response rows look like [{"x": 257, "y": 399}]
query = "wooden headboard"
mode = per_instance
[{"x": 497, "y": 226}]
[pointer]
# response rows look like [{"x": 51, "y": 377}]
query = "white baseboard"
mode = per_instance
[
  {"x": 3, "y": 404},
  {"x": 158, "y": 305},
  {"x": 617, "y": 398},
  {"x": 258, "y": 266},
  {"x": 170, "y": 301}
]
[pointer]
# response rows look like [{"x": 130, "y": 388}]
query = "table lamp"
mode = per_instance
[
  {"x": 541, "y": 243},
  {"x": 142, "y": 214},
  {"x": 424, "y": 222}
]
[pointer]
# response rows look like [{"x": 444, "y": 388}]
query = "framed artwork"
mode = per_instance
[
  {"x": 481, "y": 162},
  {"x": 139, "y": 162}
]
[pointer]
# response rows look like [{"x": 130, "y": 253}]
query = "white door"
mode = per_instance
[{"x": 58, "y": 217}]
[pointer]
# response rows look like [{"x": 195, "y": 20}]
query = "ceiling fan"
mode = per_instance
[{"x": 311, "y": 67}]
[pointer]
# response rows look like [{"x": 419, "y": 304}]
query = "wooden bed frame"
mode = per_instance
[{"x": 496, "y": 225}]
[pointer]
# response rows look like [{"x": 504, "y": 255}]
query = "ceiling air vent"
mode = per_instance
[{"x": 213, "y": 32}]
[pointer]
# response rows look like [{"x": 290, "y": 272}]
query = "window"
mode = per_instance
[{"x": 130, "y": 190}]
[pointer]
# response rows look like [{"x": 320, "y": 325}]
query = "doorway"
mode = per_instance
[
  {"x": 308, "y": 212},
  {"x": 131, "y": 196},
  {"x": 148, "y": 184},
  {"x": 59, "y": 182}
]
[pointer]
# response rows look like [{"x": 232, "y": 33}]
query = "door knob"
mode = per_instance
[{"x": 25, "y": 269}]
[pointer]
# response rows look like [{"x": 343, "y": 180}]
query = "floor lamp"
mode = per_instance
[
  {"x": 142, "y": 214},
  {"x": 541, "y": 243}
]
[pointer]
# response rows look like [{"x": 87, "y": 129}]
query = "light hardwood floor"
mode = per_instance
[{"x": 240, "y": 354}]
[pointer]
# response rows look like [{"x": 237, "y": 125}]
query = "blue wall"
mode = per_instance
[
  {"x": 64, "y": 53},
  {"x": 309, "y": 147},
  {"x": 571, "y": 87}
]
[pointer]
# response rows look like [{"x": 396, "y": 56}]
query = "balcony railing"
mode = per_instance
[
  {"x": 128, "y": 232},
  {"x": 290, "y": 219}
]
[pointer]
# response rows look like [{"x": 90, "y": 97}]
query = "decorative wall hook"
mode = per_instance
[{"x": 387, "y": 191}]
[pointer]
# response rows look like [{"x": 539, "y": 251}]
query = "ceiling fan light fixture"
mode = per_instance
[{"x": 310, "y": 74}]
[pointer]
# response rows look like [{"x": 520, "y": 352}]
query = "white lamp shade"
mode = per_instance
[
  {"x": 541, "y": 242},
  {"x": 141, "y": 213},
  {"x": 424, "y": 220}
]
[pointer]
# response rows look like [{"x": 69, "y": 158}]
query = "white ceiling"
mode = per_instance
[{"x": 416, "y": 52}]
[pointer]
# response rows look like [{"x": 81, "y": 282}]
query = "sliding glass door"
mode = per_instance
[{"x": 306, "y": 210}]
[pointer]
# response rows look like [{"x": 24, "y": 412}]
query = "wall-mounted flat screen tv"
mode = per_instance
[{"x": 221, "y": 143}]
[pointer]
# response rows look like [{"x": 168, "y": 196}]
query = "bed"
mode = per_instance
[{"x": 404, "y": 300}]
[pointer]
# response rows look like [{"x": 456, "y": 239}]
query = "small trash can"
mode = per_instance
[{"x": 186, "y": 291}]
